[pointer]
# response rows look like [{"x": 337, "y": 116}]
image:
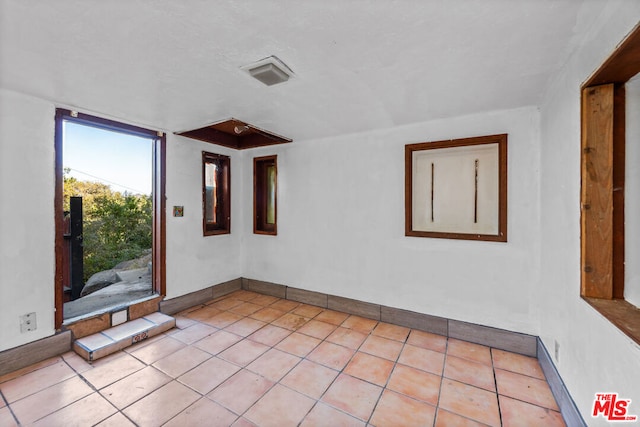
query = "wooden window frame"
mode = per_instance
[
  {"x": 260, "y": 225},
  {"x": 223, "y": 224},
  {"x": 602, "y": 195},
  {"x": 501, "y": 140}
]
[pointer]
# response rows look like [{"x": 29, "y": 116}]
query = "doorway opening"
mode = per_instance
[{"x": 110, "y": 218}]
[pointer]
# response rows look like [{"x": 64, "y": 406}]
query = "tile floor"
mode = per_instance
[{"x": 248, "y": 359}]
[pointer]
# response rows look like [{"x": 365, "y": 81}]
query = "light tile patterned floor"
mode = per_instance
[{"x": 248, "y": 359}]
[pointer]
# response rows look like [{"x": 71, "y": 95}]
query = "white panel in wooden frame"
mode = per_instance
[{"x": 457, "y": 189}]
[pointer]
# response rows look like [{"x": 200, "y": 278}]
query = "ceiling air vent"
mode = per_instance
[{"x": 269, "y": 71}]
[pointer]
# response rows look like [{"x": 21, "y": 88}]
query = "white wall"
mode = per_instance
[
  {"x": 193, "y": 260},
  {"x": 341, "y": 226},
  {"x": 27, "y": 261},
  {"x": 27, "y": 255},
  {"x": 632, "y": 193},
  {"x": 594, "y": 355},
  {"x": 341, "y": 217}
]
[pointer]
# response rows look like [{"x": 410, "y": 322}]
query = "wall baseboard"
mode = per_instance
[
  {"x": 516, "y": 342},
  {"x": 183, "y": 302},
  {"x": 20, "y": 357},
  {"x": 567, "y": 406}
]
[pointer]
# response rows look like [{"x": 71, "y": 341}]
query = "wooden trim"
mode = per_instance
[
  {"x": 603, "y": 182},
  {"x": 160, "y": 215},
  {"x": 502, "y": 218},
  {"x": 159, "y": 198},
  {"x": 260, "y": 140},
  {"x": 624, "y": 315},
  {"x": 236, "y": 134},
  {"x": 212, "y": 136},
  {"x": 106, "y": 124},
  {"x": 223, "y": 225},
  {"x": 597, "y": 191},
  {"x": 58, "y": 220},
  {"x": 621, "y": 65},
  {"x": 260, "y": 225},
  {"x": 602, "y": 203},
  {"x": 501, "y": 140}
]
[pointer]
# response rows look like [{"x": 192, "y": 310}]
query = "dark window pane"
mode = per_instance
[{"x": 215, "y": 194}]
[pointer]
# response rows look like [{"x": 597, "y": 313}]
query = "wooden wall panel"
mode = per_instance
[{"x": 597, "y": 191}]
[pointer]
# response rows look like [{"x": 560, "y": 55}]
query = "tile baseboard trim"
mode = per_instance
[
  {"x": 20, "y": 357},
  {"x": 411, "y": 319},
  {"x": 514, "y": 342},
  {"x": 183, "y": 302},
  {"x": 567, "y": 406},
  {"x": 267, "y": 288},
  {"x": 502, "y": 339}
]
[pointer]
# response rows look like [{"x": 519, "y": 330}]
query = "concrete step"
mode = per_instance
[{"x": 109, "y": 341}]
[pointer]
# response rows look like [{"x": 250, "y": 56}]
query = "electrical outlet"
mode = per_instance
[
  {"x": 118, "y": 318},
  {"x": 28, "y": 322},
  {"x": 556, "y": 351}
]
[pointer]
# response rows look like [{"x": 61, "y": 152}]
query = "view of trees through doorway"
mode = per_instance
[{"x": 108, "y": 220}]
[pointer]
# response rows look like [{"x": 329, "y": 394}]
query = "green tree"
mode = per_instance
[
  {"x": 88, "y": 190},
  {"x": 116, "y": 227}
]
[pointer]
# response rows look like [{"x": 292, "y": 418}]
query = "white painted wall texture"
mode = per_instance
[
  {"x": 195, "y": 261},
  {"x": 27, "y": 255},
  {"x": 594, "y": 355},
  {"x": 341, "y": 226},
  {"x": 27, "y": 261}
]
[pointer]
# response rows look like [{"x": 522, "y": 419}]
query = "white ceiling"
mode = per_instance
[{"x": 359, "y": 64}]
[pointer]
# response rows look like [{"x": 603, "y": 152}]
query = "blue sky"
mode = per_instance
[{"x": 122, "y": 161}]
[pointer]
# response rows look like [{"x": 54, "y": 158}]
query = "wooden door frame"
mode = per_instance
[{"x": 159, "y": 199}]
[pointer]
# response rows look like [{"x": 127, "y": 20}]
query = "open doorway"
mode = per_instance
[{"x": 109, "y": 215}]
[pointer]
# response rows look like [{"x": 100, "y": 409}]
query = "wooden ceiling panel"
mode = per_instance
[{"x": 234, "y": 133}]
